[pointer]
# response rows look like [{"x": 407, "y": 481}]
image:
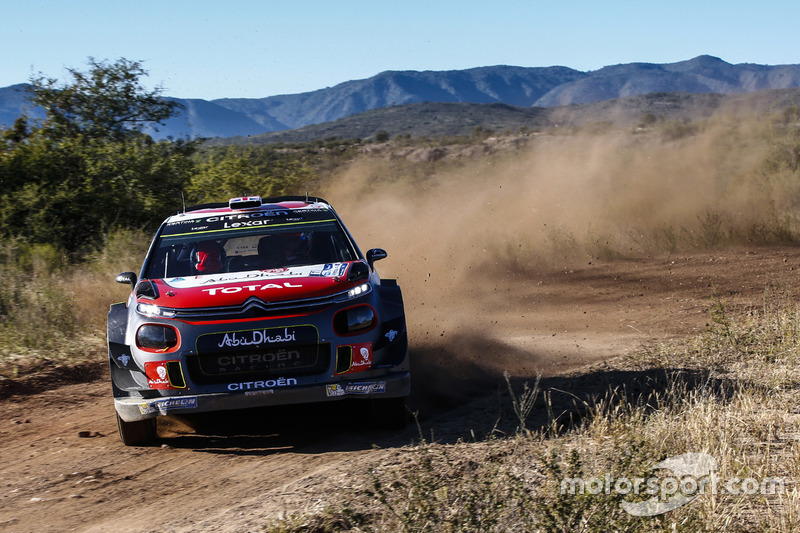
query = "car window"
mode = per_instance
[{"x": 251, "y": 248}]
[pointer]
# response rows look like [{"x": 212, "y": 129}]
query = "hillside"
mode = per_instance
[
  {"x": 517, "y": 87},
  {"x": 514, "y": 86},
  {"x": 461, "y": 119}
]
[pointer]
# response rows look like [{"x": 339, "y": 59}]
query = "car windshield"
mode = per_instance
[{"x": 239, "y": 248}]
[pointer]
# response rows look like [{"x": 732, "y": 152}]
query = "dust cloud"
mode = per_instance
[{"x": 467, "y": 236}]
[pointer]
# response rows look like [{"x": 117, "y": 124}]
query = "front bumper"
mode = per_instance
[{"x": 390, "y": 385}]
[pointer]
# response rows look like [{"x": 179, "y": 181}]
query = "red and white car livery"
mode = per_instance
[{"x": 255, "y": 303}]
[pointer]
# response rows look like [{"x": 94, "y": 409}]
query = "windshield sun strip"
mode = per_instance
[{"x": 260, "y": 226}]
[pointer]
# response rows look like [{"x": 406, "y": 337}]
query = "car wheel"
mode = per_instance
[
  {"x": 388, "y": 413},
  {"x": 138, "y": 433}
]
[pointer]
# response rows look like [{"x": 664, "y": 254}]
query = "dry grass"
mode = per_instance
[
  {"x": 730, "y": 393},
  {"x": 53, "y": 312}
]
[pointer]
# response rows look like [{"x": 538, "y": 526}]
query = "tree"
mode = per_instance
[
  {"x": 238, "y": 171},
  {"x": 107, "y": 102},
  {"x": 88, "y": 167}
]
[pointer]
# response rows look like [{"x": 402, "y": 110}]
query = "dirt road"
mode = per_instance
[{"x": 63, "y": 468}]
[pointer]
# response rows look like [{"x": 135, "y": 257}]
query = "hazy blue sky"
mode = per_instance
[{"x": 238, "y": 48}]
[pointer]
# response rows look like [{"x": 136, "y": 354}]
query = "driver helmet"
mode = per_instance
[{"x": 208, "y": 257}]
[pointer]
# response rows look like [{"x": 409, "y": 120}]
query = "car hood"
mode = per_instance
[{"x": 274, "y": 285}]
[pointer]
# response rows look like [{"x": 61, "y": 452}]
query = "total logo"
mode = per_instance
[{"x": 251, "y": 288}]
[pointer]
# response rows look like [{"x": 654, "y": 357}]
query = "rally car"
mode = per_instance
[{"x": 255, "y": 303}]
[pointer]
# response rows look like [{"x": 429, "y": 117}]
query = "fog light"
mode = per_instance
[
  {"x": 354, "y": 320},
  {"x": 156, "y": 338}
]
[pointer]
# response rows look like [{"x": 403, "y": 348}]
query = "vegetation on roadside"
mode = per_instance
[
  {"x": 724, "y": 394},
  {"x": 53, "y": 309},
  {"x": 87, "y": 168}
]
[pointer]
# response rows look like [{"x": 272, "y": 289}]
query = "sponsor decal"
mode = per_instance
[
  {"x": 245, "y": 224},
  {"x": 236, "y": 341},
  {"x": 266, "y": 349},
  {"x": 245, "y": 217},
  {"x": 254, "y": 358},
  {"x": 342, "y": 389},
  {"x": 256, "y": 338},
  {"x": 264, "y": 384},
  {"x": 219, "y": 279},
  {"x": 361, "y": 357},
  {"x": 275, "y": 271},
  {"x": 329, "y": 270},
  {"x": 163, "y": 405},
  {"x": 273, "y": 361},
  {"x": 180, "y": 222},
  {"x": 124, "y": 359},
  {"x": 391, "y": 334},
  {"x": 275, "y": 275},
  {"x": 249, "y": 275},
  {"x": 157, "y": 375},
  {"x": 255, "y": 219},
  {"x": 250, "y": 288}
]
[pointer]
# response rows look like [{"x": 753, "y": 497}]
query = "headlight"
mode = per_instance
[
  {"x": 354, "y": 320},
  {"x": 355, "y": 292},
  {"x": 156, "y": 338},
  {"x": 361, "y": 290},
  {"x": 154, "y": 310}
]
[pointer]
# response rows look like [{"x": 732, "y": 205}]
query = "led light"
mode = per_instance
[
  {"x": 149, "y": 309},
  {"x": 361, "y": 290},
  {"x": 154, "y": 310}
]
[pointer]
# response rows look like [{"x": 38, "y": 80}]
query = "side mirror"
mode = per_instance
[
  {"x": 376, "y": 254},
  {"x": 127, "y": 277}
]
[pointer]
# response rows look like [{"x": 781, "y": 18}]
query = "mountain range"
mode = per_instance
[{"x": 520, "y": 87}]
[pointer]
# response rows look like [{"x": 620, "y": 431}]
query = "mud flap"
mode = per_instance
[{"x": 394, "y": 337}]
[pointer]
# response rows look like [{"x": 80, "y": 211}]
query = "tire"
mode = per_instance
[
  {"x": 138, "y": 433},
  {"x": 388, "y": 413}
]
